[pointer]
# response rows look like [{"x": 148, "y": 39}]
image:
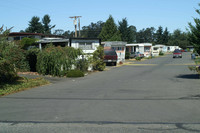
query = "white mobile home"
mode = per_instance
[
  {"x": 119, "y": 47},
  {"x": 155, "y": 50},
  {"x": 144, "y": 48},
  {"x": 172, "y": 48},
  {"x": 88, "y": 45}
]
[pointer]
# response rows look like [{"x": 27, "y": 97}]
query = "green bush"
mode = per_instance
[
  {"x": 138, "y": 58},
  {"x": 13, "y": 53},
  {"x": 195, "y": 69},
  {"x": 26, "y": 42},
  {"x": 31, "y": 57},
  {"x": 98, "y": 59},
  {"x": 7, "y": 71},
  {"x": 161, "y": 53},
  {"x": 127, "y": 55},
  {"x": 150, "y": 57},
  {"x": 197, "y": 61},
  {"x": 75, "y": 73},
  {"x": 82, "y": 65},
  {"x": 55, "y": 60}
]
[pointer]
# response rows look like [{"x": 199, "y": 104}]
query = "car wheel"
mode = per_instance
[{"x": 115, "y": 63}]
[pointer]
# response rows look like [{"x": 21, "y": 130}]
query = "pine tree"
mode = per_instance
[
  {"x": 123, "y": 28},
  {"x": 128, "y": 33},
  {"x": 109, "y": 31},
  {"x": 46, "y": 24},
  {"x": 165, "y": 36},
  {"x": 194, "y": 36},
  {"x": 132, "y": 32},
  {"x": 159, "y": 35},
  {"x": 35, "y": 26}
]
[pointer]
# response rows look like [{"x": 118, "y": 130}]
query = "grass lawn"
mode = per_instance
[{"x": 20, "y": 85}]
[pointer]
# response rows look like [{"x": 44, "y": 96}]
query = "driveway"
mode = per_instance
[{"x": 157, "y": 95}]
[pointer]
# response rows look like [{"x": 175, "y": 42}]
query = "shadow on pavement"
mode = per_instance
[{"x": 189, "y": 76}]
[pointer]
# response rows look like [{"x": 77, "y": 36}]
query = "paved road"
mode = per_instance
[{"x": 157, "y": 95}]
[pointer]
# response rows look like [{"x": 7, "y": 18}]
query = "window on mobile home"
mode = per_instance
[
  {"x": 85, "y": 46},
  {"x": 146, "y": 49}
]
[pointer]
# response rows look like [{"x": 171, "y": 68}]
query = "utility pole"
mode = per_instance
[{"x": 75, "y": 24}]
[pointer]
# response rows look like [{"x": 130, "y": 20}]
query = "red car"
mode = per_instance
[
  {"x": 177, "y": 53},
  {"x": 110, "y": 56}
]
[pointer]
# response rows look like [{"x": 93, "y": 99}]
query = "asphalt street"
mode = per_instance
[{"x": 156, "y": 95}]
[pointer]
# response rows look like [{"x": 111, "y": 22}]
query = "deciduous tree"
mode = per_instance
[{"x": 93, "y": 30}]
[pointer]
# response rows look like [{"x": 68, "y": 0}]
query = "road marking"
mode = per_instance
[
  {"x": 180, "y": 64},
  {"x": 141, "y": 64}
]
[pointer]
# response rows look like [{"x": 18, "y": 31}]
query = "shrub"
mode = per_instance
[
  {"x": 31, "y": 57},
  {"x": 82, "y": 65},
  {"x": 7, "y": 71},
  {"x": 16, "y": 56},
  {"x": 197, "y": 61},
  {"x": 161, "y": 53},
  {"x": 150, "y": 57},
  {"x": 26, "y": 42},
  {"x": 75, "y": 73},
  {"x": 54, "y": 60},
  {"x": 11, "y": 52},
  {"x": 98, "y": 59},
  {"x": 127, "y": 55},
  {"x": 195, "y": 68},
  {"x": 138, "y": 58}
]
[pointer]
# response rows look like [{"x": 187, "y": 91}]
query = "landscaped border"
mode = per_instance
[{"x": 21, "y": 85}]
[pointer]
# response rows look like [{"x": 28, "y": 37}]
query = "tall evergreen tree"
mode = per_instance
[
  {"x": 109, "y": 31},
  {"x": 123, "y": 28},
  {"x": 194, "y": 36},
  {"x": 35, "y": 26},
  {"x": 128, "y": 33},
  {"x": 46, "y": 24},
  {"x": 159, "y": 35},
  {"x": 132, "y": 34},
  {"x": 165, "y": 36}
]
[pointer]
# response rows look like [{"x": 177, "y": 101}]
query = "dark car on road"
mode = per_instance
[
  {"x": 110, "y": 56},
  {"x": 177, "y": 53}
]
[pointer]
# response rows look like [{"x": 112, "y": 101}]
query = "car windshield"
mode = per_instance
[
  {"x": 109, "y": 52},
  {"x": 177, "y": 51}
]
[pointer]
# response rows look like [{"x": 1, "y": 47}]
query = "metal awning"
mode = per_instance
[{"x": 52, "y": 40}]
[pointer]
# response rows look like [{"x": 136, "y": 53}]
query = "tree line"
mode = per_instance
[{"x": 110, "y": 31}]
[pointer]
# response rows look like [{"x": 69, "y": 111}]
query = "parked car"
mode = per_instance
[
  {"x": 194, "y": 55},
  {"x": 138, "y": 54},
  {"x": 182, "y": 50},
  {"x": 177, "y": 53},
  {"x": 110, "y": 56}
]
